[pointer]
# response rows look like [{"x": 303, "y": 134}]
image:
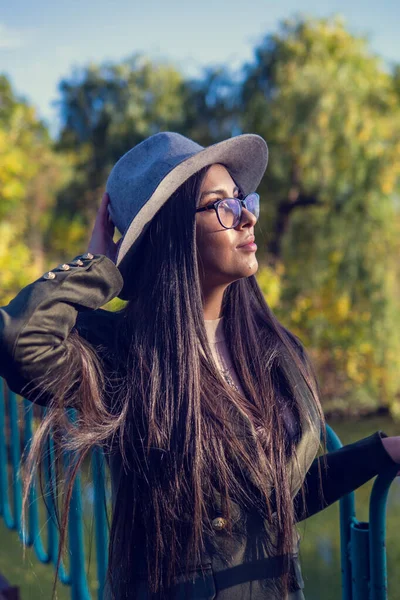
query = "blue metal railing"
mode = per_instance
[
  {"x": 363, "y": 544},
  {"x": 11, "y": 511},
  {"x": 363, "y": 553}
]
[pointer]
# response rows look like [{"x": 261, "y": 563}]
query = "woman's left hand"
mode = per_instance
[{"x": 392, "y": 447}]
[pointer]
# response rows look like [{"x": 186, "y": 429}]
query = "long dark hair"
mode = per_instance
[{"x": 156, "y": 399}]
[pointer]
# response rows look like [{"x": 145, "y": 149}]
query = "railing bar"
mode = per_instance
[
  {"x": 100, "y": 513},
  {"x": 347, "y": 514},
  {"x": 51, "y": 492},
  {"x": 4, "y": 479},
  {"x": 35, "y": 537},
  {"x": 377, "y": 536},
  {"x": 80, "y": 589},
  {"x": 16, "y": 462}
]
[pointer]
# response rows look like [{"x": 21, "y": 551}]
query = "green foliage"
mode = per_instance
[
  {"x": 120, "y": 104},
  {"x": 211, "y": 107},
  {"x": 331, "y": 114},
  {"x": 30, "y": 175},
  {"x": 16, "y": 267},
  {"x": 106, "y": 110}
]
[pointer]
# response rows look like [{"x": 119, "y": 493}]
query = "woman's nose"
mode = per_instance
[{"x": 247, "y": 218}]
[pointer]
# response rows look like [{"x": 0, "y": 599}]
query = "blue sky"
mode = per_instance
[{"x": 42, "y": 41}]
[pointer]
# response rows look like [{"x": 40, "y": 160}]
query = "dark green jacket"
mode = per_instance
[{"x": 34, "y": 337}]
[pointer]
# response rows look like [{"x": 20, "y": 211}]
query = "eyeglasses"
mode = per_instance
[{"x": 229, "y": 210}]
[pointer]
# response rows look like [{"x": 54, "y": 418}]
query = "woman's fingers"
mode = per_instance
[
  {"x": 104, "y": 205},
  {"x": 101, "y": 218},
  {"x": 103, "y": 230},
  {"x": 104, "y": 214}
]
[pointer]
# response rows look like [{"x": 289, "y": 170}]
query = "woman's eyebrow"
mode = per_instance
[{"x": 221, "y": 192}]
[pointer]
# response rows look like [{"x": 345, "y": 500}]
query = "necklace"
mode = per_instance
[{"x": 228, "y": 378}]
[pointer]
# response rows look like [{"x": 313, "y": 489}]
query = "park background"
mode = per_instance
[{"x": 82, "y": 84}]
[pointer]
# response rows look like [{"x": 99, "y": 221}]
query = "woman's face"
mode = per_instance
[{"x": 221, "y": 260}]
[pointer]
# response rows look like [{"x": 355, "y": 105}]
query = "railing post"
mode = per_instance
[
  {"x": 33, "y": 537},
  {"x": 5, "y": 509},
  {"x": 100, "y": 514},
  {"x": 80, "y": 589},
  {"x": 377, "y": 541},
  {"x": 15, "y": 444},
  {"x": 347, "y": 514},
  {"x": 359, "y": 550}
]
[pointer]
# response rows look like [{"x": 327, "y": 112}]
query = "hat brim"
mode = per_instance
[{"x": 246, "y": 158}]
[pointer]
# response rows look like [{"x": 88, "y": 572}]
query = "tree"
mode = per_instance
[
  {"x": 106, "y": 110},
  {"x": 30, "y": 177},
  {"x": 212, "y": 107},
  {"x": 330, "y": 113}
]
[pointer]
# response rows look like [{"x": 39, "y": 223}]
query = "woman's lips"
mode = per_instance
[{"x": 250, "y": 247}]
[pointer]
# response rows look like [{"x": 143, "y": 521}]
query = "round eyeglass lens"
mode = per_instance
[
  {"x": 229, "y": 212},
  {"x": 253, "y": 204}
]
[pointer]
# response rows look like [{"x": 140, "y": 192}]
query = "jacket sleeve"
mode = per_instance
[
  {"x": 346, "y": 470},
  {"x": 36, "y": 324}
]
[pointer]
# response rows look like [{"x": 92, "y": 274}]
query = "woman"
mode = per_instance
[{"x": 206, "y": 406}]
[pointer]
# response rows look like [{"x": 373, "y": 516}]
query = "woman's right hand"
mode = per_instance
[{"x": 102, "y": 240}]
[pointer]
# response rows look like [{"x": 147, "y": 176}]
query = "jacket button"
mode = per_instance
[
  {"x": 219, "y": 523},
  {"x": 49, "y": 275},
  {"x": 88, "y": 255},
  {"x": 77, "y": 263},
  {"x": 64, "y": 267}
]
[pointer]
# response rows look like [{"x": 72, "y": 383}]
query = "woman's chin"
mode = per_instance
[{"x": 250, "y": 268}]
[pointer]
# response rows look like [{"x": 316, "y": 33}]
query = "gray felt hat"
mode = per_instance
[{"x": 147, "y": 175}]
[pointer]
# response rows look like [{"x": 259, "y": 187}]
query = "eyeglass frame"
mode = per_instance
[{"x": 214, "y": 205}]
